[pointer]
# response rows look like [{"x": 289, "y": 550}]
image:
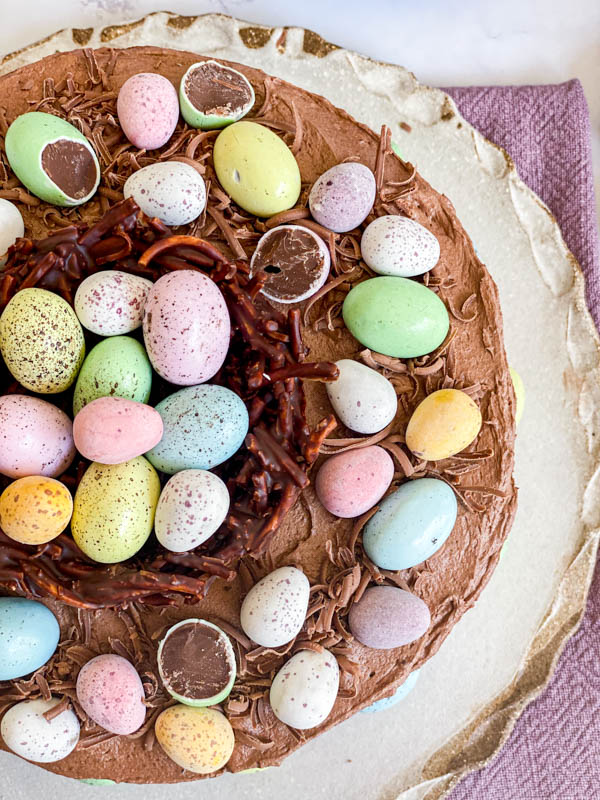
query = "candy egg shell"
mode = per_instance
[
  {"x": 350, "y": 483},
  {"x": 31, "y": 143},
  {"x": 200, "y": 740},
  {"x": 443, "y": 424},
  {"x": 401, "y": 692},
  {"x": 35, "y": 509},
  {"x": 29, "y": 635},
  {"x": 519, "y": 388},
  {"x": 411, "y": 524},
  {"x": 36, "y": 438},
  {"x": 30, "y": 735},
  {"x": 212, "y": 95},
  {"x": 115, "y": 367},
  {"x": 41, "y": 341},
  {"x": 363, "y": 399},
  {"x": 305, "y": 688},
  {"x": 256, "y": 168},
  {"x": 114, "y": 509},
  {"x": 110, "y": 691},
  {"x": 148, "y": 110},
  {"x": 396, "y": 316},
  {"x": 393, "y": 245},
  {"x": 186, "y": 327},
  {"x": 342, "y": 197},
  {"x": 203, "y": 427},
  {"x": 11, "y": 225},
  {"x": 111, "y": 302},
  {"x": 170, "y": 190},
  {"x": 386, "y": 617},
  {"x": 192, "y": 506},
  {"x": 274, "y": 610}
]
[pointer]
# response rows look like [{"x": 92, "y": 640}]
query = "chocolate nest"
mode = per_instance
[{"x": 264, "y": 366}]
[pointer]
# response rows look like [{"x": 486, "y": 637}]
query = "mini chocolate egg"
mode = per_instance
[
  {"x": 519, "y": 388},
  {"x": 274, "y": 610},
  {"x": 393, "y": 245},
  {"x": 191, "y": 507},
  {"x": 110, "y": 692},
  {"x": 256, "y": 168},
  {"x": 114, "y": 509},
  {"x": 186, "y": 327},
  {"x": 36, "y": 437},
  {"x": 296, "y": 261},
  {"x": 170, "y": 190},
  {"x": 443, "y": 424},
  {"x": 30, "y": 735},
  {"x": 148, "y": 110},
  {"x": 11, "y": 225},
  {"x": 35, "y": 509},
  {"x": 305, "y": 688},
  {"x": 401, "y": 692},
  {"x": 29, "y": 635},
  {"x": 386, "y": 617},
  {"x": 350, "y": 483},
  {"x": 411, "y": 524},
  {"x": 52, "y": 159},
  {"x": 363, "y": 399},
  {"x": 41, "y": 341},
  {"x": 203, "y": 427},
  {"x": 115, "y": 367},
  {"x": 200, "y": 740},
  {"x": 212, "y": 95},
  {"x": 342, "y": 197},
  {"x": 396, "y": 316},
  {"x": 113, "y": 430},
  {"x": 196, "y": 663},
  {"x": 111, "y": 302}
]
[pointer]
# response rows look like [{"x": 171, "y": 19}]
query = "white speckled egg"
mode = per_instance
[
  {"x": 111, "y": 302},
  {"x": 190, "y": 509},
  {"x": 170, "y": 190},
  {"x": 30, "y": 735},
  {"x": 274, "y": 609},
  {"x": 393, "y": 245},
  {"x": 363, "y": 399},
  {"x": 305, "y": 688},
  {"x": 11, "y": 225}
]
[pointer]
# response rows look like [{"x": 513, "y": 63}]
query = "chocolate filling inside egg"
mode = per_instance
[
  {"x": 71, "y": 166},
  {"x": 214, "y": 89}
]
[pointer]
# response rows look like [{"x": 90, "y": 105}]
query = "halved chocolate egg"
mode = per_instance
[{"x": 212, "y": 95}]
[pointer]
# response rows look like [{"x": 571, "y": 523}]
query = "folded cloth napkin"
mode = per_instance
[{"x": 554, "y": 750}]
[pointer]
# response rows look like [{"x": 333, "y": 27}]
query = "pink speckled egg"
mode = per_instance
[
  {"x": 186, "y": 327},
  {"x": 111, "y": 302},
  {"x": 342, "y": 197},
  {"x": 112, "y": 430},
  {"x": 148, "y": 110},
  {"x": 274, "y": 610},
  {"x": 111, "y": 693},
  {"x": 387, "y": 617},
  {"x": 352, "y": 482}
]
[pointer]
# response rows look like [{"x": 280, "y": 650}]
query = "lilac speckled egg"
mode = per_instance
[
  {"x": 170, "y": 190},
  {"x": 274, "y": 609},
  {"x": 387, "y": 617},
  {"x": 111, "y": 693},
  {"x": 305, "y": 688},
  {"x": 351, "y": 483},
  {"x": 186, "y": 327},
  {"x": 148, "y": 109},
  {"x": 36, "y": 438},
  {"x": 30, "y": 735},
  {"x": 342, "y": 197},
  {"x": 393, "y": 245},
  {"x": 111, "y": 302}
]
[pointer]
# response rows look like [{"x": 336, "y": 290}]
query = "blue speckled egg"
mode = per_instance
[
  {"x": 29, "y": 635},
  {"x": 401, "y": 692},
  {"x": 203, "y": 427},
  {"x": 411, "y": 525}
]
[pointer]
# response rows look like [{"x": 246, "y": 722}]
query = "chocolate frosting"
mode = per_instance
[
  {"x": 194, "y": 661},
  {"x": 214, "y": 90},
  {"x": 71, "y": 166},
  {"x": 293, "y": 261}
]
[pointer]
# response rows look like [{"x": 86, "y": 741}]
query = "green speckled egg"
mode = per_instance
[
  {"x": 41, "y": 341},
  {"x": 398, "y": 317},
  {"x": 115, "y": 367},
  {"x": 52, "y": 159},
  {"x": 256, "y": 168},
  {"x": 114, "y": 507}
]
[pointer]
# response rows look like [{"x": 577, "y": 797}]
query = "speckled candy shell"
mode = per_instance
[
  {"x": 342, "y": 197},
  {"x": 305, "y": 688},
  {"x": 393, "y": 245},
  {"x": 111, "y": 302},
  {"x": 194, "y": 117},
  {"x": 200, "y": 740},
  {"x": 274, "y": 610},
  {"x": 148, "y": 110},
  {"x": 386, "y": 617},
  {"x": 110, "y": 691},
  {"x": 35, "y": 509},
  {"x": 350, "y": 483},
  {"x": 170, "y": 190},
  {"x": 30, "y": 735},
  {"x": 29, "y": 634},
  {"x": 11, "y": 225},
  {"x": 363, "y": 399}
]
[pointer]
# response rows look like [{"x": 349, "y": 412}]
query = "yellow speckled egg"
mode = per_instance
[
  {"x": 443, "y": 424},
  {"x": 114, "y": 509},
  {"x": 35, "y": 509},
  {"x": 41, "y": 341},
  {"x": 198, "y": 739},
  {"x": 256, "y": 168},
  {"x": 519, "y": 388}
]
